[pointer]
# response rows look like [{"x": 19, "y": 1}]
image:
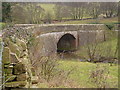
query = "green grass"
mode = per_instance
[
  {"x": 93, "y": 21},
  {"x": 2, "y": 25},
  {"x": 82, "y": 71},
  {"x": 106, "y": 48}
]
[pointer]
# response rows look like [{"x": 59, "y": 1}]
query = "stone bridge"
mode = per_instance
[{"x": 61, "y": 38}]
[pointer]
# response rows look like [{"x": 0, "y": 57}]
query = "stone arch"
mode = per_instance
[{"x": 66, "y": 43}]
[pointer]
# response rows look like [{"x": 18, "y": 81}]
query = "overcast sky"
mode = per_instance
[{"x": 60, "y": 0}]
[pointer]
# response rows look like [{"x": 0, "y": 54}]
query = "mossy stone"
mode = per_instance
[
  {"x": 14, "y": 48},
  {"x": 21, "y": 44},
  {"x": 14, "y": 58},
  {"x": 34, "y": 80},
  {"x": 21, "y": 77},
  {"x": 19, "y": 68},
  {"x": 16, "y": 84},
  {"x": 8, "y": 71},
  {"x": 10, "y": 78},
  {"x": 6, "y": 41},
  {"x": 6, "y": 55},
  {"x": 8, "y": 66}
]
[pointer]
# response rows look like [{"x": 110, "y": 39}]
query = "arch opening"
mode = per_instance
[{"x": 66, "y": 43}]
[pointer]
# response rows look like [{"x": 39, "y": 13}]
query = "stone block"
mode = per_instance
[
  {"x": 8, "y": 71},
  {"x": 21, "y": 44},
  {"x": 6, "y": 41},
  {"x": 19, "y": 68},
  {"x": 8, "y": 66},
  {"x": 14, "y": 58},
  {"x": 14, "y": 84},
  {"x": 6, "y": 55},
  {"x": 34, "y": 80},
  {"x": 14, "y": 48},
  {"x": 10, "y": 78},
  {"x": 21, "y": 77}
]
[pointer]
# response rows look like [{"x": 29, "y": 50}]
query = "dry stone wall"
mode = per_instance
[{"x": 14, "y": 63}]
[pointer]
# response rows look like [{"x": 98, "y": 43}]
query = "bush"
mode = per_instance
[
  {"x": 48, "y": 71},
  {"x": 110, "y": 26},
  {"x": 99, "y": 76}
]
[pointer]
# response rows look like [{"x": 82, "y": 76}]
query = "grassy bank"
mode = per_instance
[{"x": 106, "y": 49}]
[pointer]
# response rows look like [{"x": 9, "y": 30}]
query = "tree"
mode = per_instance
[
  {"x": 94, "y": 9},
  {"x": 27, "y": 13},
  {"x": 48, "y": 17},
  {"x": 76, "y": 10},
  {"x": 109, "y": 8},
  {"x": 6, "y": 11},
  {"x": 35, "y": 12},
  {"x": 18, "y": 14},
  {"x": 58, "y": 12}
]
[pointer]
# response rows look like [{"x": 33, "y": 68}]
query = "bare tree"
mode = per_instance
[
  {"x": 109, "y": 8},
  {"x": 94, "y": 9},
  {"x": 27, "y": 13}
]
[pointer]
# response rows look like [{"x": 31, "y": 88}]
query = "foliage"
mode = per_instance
[
  {"x": 28, "y": 15},
  {"x": 99, "y": 76},
  {"x": 106, "y": 51},
  {"x": 48, "y": 17},
  {"x": 94, "y": 9},
  {"x": 110, "y": 26},
  {"x": 37, "y": 12},
  {"x": 6, "y": 12}
]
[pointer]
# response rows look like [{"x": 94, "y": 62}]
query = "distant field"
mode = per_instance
[{"x": 92, "y": 21}]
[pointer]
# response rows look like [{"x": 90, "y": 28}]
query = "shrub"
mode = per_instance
[
  {"x": 110, "y": 26},
  {"x": 99, "y": 76}
]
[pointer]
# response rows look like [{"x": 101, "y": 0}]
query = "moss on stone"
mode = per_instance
[
  {"x": 21, "y": 77},
  {"x": 6, "y": 55},
  {"x": 10, "y": 78},
  {"x": 6, "y": 41},
  {"x": 8, "y": 71},
  {"x": 14, "y": 48},
  {"x": 16, "y": 84},
  {"x": 14, "y": 58},
  {"x": 21, "y": 44},
  {"x": 19, "y": 68}
]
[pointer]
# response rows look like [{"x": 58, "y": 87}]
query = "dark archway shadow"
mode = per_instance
[{"x": 67, "y": 43}]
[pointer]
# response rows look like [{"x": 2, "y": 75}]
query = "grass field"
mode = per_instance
[
  {"x": 92, "y": 21},
  {"x": 81, "y": 72},
  {"x": 80, "y": 75}
]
